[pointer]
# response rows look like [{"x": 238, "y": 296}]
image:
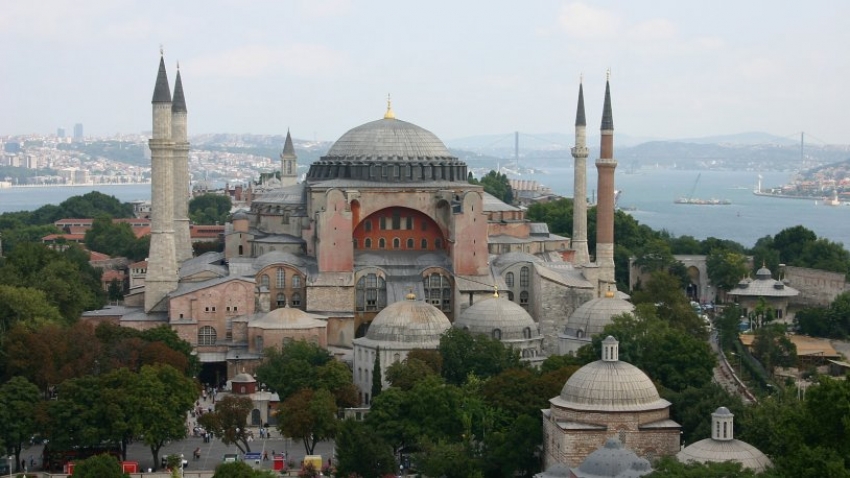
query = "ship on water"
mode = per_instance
[{"x": 691, "y": 200}]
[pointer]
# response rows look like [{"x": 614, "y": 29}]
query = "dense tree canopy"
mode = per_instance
[
  {"x": 99, "y": 466},
  {"x": 116, "y": 239},
  {"x": 209, "y": 209},
  {"x": 229, "y": 421},
  {"x": 19, "y": 400},
  {"x": 496, "y": 184},
  {"x": 467, "y": 354}
]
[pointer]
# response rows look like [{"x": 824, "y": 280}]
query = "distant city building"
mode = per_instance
[
  {"x": 78, "y": 132},
  {"x": 60, "y": 132}
]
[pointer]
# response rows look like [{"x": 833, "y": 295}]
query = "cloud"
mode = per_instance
[
  {"x": 325, "y": 8},
  {"x": 254, "y": 61},
  {"x": 655, "y": 29},
  {"x": 582, "y": 21}
]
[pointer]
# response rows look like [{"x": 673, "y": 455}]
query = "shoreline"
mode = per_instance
[{"x": 79, "y": 185}]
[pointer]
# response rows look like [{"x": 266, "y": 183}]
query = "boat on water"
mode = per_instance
[
  {"x": 702, "y": 202},
  {"x": 691, "y": 200}
]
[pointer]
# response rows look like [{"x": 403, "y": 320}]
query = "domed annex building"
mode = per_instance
[
  {"x": 398, "y": 329},
  {"x": 506, "y": 321},
  {"x": 776, "y": 294},
  {"x": 589, "y": 320},
  {"x": 723, "y": 447},
  {"x": 606, "y": 399}
]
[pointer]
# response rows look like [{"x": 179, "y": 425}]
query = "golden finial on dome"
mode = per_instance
[
  {"x": 410, "y": 295},
  {"x": 495, "y": 291},
  {"x": 389, "y": 114}
]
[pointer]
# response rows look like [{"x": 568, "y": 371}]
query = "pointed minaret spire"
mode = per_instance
[
  {"x": 607, "y": 115},
  {"x": 580, "y": 153},
  {"x": 180, "y": 172},
  {"x": 605, "y": 166},
  {"x": 161, "y": 91},
  {"x": 178, "y": 104},
  {"x": 288, "y": 162}
]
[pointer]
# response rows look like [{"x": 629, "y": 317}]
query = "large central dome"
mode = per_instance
[
  {"x": 388, "y": 151},
  {"x": 388, "y": 139}
]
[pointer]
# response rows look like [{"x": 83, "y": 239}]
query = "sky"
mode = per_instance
[{"x": 457, "y": 68}]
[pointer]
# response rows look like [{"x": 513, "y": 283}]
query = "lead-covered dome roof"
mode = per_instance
[
  {"x": 287, "y": 318},
  {"x": 487, "y": 315},
  {"x": 592, "y": 316},
  {"x": 410, "y": 321},
  {"x": 388, "y": 150},
  {"x": 610, "y": 385},
  {"x": 614, "y": 461}
]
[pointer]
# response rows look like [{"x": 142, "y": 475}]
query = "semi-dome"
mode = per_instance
[
  {"x": 496, "y": 313},
  {"x": 610, "y": 385},
  {"x": 723, "y": 447},
  {"x": 287, "y": 318},
  {"x": 277, "y": 257},
  {"x": 558, "y": 470},
  {"x": 243, "y": 377},
  {"x": 410, "y": 322},
  {"x": 388, "y": 150},
  {"x": 592, "y": 316}
]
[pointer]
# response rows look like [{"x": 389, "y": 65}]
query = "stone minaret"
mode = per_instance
[
  {"x": 161, "y": 277},
  {"x": 579, "y": 152},
  {"x": 180, "y": 164},
  {"x": 288, "y": 163},
  {"x": 605, "y": 166}
]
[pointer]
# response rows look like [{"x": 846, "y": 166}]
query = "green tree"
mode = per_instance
[
  {"x": 360, "y": 453},
  {"x": 377, "y": 379},
  {"x": 113, "y": 238},
  {"x": 163, "y": 397},
  {"x": 99, "y": 466},
  {"x": 115, "y": 291},
  {"x": 448, "y": 459},
  {"x": 512, "y": 451},
  {"x": 240, "y": 469},
  {"x": 209, "y": 209},
  {"x": 229, "y": 421},
  {"x": 292, "y": 367},
  {"x": 310, "y": 416},
  {"x": 670, "y": 467},
  {"x": 725, "y": 268},
  {"x": 791, "y": 241},
  {"x": 19, "y": 400},
  {"x": 664, "y": 293},
  {"x": 476, "y": 354},
  {"x": 496, "y": 184},
  {"x": 558, "y": 215},
  {"x": 407, "y": 373}
]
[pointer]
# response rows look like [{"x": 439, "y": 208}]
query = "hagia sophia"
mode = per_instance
[{"x": 383, "y": 247}]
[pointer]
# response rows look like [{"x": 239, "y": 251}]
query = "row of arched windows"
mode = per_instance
[
  {"x": 280, "y": 279},
  {"x": 410, "y": 243}
]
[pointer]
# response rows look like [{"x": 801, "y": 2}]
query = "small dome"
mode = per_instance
[
  {"x": 594, "y": 315},
  {"x": 715, "y": 451},
  {"x": 763, "y": 273},
  {"x": 487, "y": 315},
  {"x": 243, "y": 378},
  {"x": 287, "y": 318},
  {"x": 613, "y": 460},
  {"x": 409, "y": 321},
  {"x": 239, "y": 215},
  {"x": 610, "y": 385}
]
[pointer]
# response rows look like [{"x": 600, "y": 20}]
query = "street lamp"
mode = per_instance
[{"x": 9, "y": 460}]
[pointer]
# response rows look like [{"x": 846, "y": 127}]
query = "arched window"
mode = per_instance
[
  {"x": 424, "y": 244},
  {"x": 397, "y": 358},
  {"x": 509, "y": 279},
  {"x": 410, "y": 243},
  {"x": 371, "y": 293},
  {"x": 526, "y": 333},
  {"x": 396, "y": 243},
  {"x": 206, "y": 335},
  {"x": 296, "y": 299},
  {"x": 438, "y": 243},
  {"x": 264, "y": 281},
  {"x": 523, "y": 277},
  {"x": 258, "y": 343},
  {"x": 367, "y": 243},
  {"x": 296, "y": 281},
  {"x": 438, "y": 291},
  {"x": 281, "y": 278},
  {"x": 382, "y": 243},
  {"x": 281, "y": 300},
  {"x": 510, "y": 296},
  {"x": 523, "y": 299},
  {"x": 497, "y": 334},
  {"x": 368, "y": 225},
  {"x": 241, "y": 250}
]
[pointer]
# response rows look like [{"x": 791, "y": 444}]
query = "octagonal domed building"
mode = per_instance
[
  {"x": 507, "y": 322},
  {"x": 590, "y": 319},
  {"x": 605, "y": 399},
  {"x": 398, "y": 329},
  {"x": 723, "y": 447}
]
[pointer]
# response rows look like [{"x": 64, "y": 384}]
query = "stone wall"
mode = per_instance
[{"x": 817, "y": 287}]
